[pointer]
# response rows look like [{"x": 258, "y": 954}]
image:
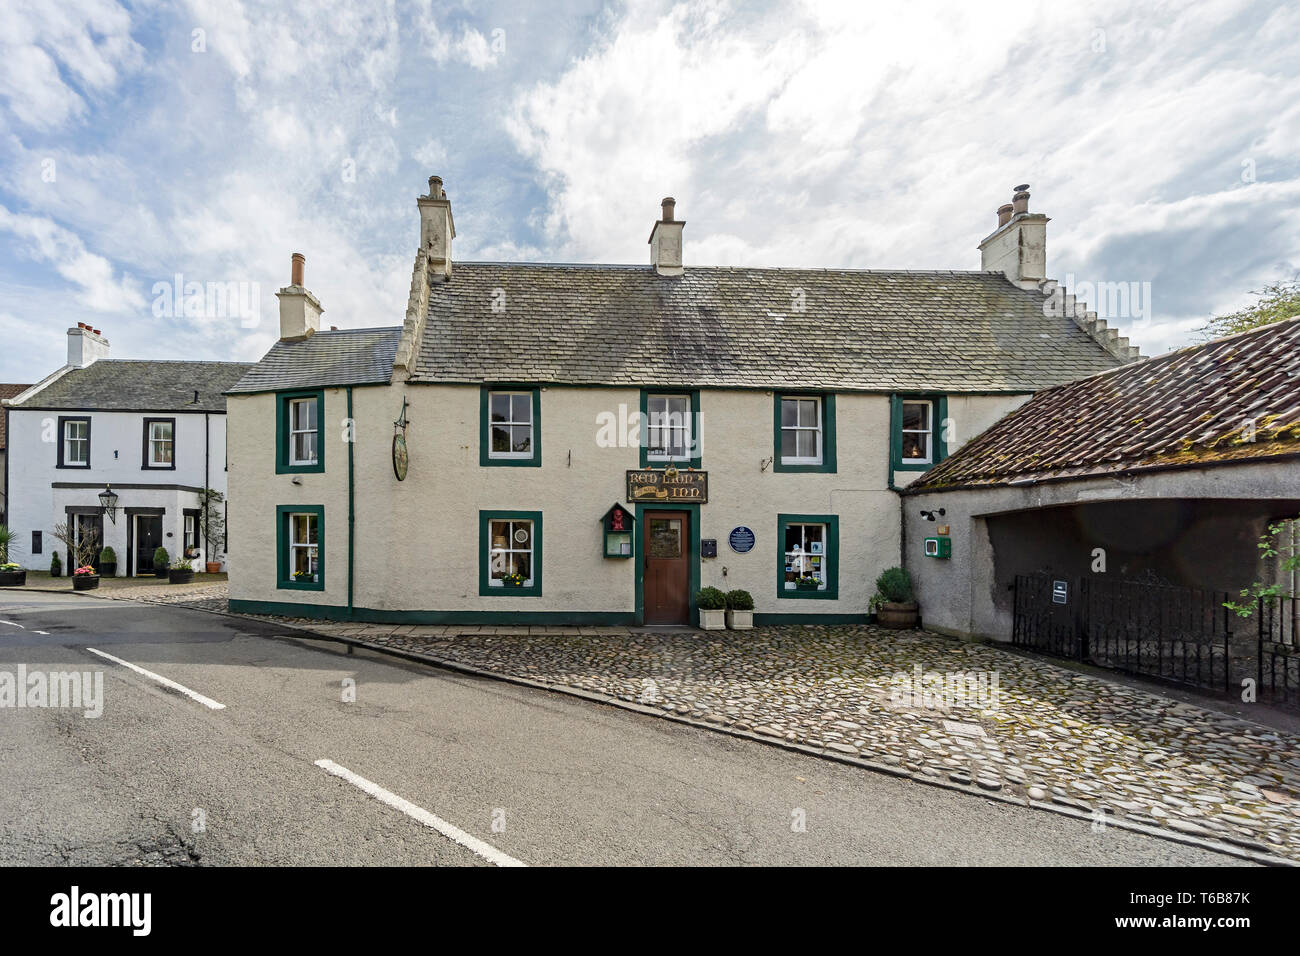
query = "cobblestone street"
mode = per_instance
[{"x": 1013, "y": 725}]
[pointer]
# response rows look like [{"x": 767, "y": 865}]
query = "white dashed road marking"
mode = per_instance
[
  {"x": 13, "y": 624},
  {"x": 193, "y": 695},
  {"x": 420, "y": 815}
]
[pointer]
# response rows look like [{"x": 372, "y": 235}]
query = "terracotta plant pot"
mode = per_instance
[
  {"x": 212, "y": 567},
  {"x": 890, "y": 614},
  {"x": 13, "y": 579},
  {"x": 85, "y": 582}
]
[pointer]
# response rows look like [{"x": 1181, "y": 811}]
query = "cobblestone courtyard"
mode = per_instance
[{"x": 1026, "y": 728}]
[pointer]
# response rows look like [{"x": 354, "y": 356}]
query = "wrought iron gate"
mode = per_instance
[{"x": 1176, "y": 634}]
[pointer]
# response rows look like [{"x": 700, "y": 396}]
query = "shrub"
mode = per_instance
[
  {"x": 895, "y": 586},
  {"x": 740, "y": 600},
  {"x": 107, "y": 555},
  {"x": 56, "y": 566},
  {"x": 7, "y": 539},
  {"x": 710, "y": 599},
  {"x": 161, "y": 559}
]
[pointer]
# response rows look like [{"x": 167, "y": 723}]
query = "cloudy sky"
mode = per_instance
[{"x": 140, "y": 142}]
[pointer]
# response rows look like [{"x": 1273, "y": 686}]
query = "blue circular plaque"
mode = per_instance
[{"x": 741, "y": 540}]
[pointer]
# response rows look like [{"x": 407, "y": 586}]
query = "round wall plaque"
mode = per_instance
[{"x": 741, "y": 540}]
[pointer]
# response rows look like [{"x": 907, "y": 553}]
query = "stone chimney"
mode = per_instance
[
  {"x": 85, "y": 346},
  {"x": 1018, "y": 246},
  {"x": 437, "y": 229},
  {"x": 299, "y": 309},
  {"x": 666, "y": 242}
]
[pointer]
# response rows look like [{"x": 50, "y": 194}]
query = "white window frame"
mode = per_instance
[
  {"x": 308, "y": 546},
  {"x": 510, "y": 424},
  {"x": 68, "y": 441},
  {"x": 820, "y": 430},
  {"x": 928, "y": 432},
  {"x": 154, "y": 442},
  {"x": 501, "y": 556},
  {"x": 823, "y": 567},
  {"x": 295, "y": 431},
  {"x": 663, "y": 421}
]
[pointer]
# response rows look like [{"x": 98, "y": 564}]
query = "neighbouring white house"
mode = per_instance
[
  {"x": 123, "y": 447},
  {"x": 6, "y": 391}
]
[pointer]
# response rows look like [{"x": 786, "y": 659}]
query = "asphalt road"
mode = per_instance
[{"x": 541, "y": 778}]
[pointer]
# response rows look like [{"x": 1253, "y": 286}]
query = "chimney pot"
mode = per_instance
[
  {"x": 1004, "y": 214},
  {"x": 297, "y": 264},
  {"x": 669, "y": 204},
  {"x": 1020, "y": 201}
]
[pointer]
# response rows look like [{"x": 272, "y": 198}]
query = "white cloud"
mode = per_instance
[{"x": 46, "y": 241}]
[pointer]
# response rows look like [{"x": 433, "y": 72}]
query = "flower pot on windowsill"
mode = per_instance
[
  {"x": 85, "y": 582},
  {"x": 13, "y": 579},
  {"x": 179, "y": 576},
  {"x": 212, "y": 567},
  {"x": 813, "y": 586},
  {"x": 740, "y": 620},
  {"x": 713, "y": 620},
  {"x": 898, "y": 614},
  {"x": 505, "y": 583}
]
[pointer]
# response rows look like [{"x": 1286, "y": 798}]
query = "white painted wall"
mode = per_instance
[
  {"x": 417, "y": 541},
  {"x": 115, "y": 457}
]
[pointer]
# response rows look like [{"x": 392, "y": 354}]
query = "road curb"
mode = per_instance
[{"x": 1187, "y": 839}]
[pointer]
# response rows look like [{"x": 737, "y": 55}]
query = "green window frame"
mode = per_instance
[
  {"x": 827, "y": 464},
  {"x": 284, "y": 432},
  {"x": 693, "y": 395},
  {"x": 939, "y": 415},
  {"x": 831, "y": 555},
  {"x": 485, "y": 427},
  {"x": 283, "y": 578},
  {"x": 485, "y": 587}
]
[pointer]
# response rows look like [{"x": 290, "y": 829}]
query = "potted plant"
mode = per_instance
[
  {"x": 212, "y": 522},
  {"x": 740, "y": 610},
  {"x": 515, "y": 580},
  {"x": 180, "y": 572},
  {"x": 85, "y": 578},
  {"x": 161, "y": 560},
  {"x": 56, "y": 565},
  {"x": 108, "y": 562},
  {"x": 894, "y": 600},
  {"x": 807, "y": 582},
  {"x": 713, "y": 609},
  {"x": 304, "y": 576},
  {"x": 83, "y": 551},
  {"x": 11, "y": 572}
]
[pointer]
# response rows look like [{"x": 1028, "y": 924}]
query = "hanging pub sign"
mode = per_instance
[
  {"x": 618, "y": 532},
  {"x": 670, "y": 486},
  {"x": 400, "y": 456}
]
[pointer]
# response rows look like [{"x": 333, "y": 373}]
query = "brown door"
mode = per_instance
[{"x": 665, "y": 544}]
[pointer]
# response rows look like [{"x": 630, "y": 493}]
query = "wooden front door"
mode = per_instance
[{"x": 666, "y": 537}]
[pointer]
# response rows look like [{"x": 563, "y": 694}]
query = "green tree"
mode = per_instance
[
  {"x": 1281, "y": 546},
  {"x": 1278, "y": 301}
]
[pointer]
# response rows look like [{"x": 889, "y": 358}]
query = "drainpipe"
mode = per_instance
[
  {"x": 352, "y": 516},
  {"x": 203, "y": 498}
]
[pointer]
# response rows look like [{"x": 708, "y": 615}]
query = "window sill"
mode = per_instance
[
  {"x": 301, "y": 585},
  {"x": 491, "y": 462}
]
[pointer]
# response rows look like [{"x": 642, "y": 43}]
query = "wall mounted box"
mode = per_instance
[
  {"x": 938, "y": 547},
  {"x": 617, "y": 524}
]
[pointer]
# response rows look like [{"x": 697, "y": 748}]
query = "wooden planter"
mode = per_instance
[
  {"x": 108, "y": 569},
  {"x": 85, "y": 582},
  {"x": 13, "y": 579},
  {"x": 740, "y": 620},
  {"x": 179, "y": 577},
  {"x": 890, "y": 614}
]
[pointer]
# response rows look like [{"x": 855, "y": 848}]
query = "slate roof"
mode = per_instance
[
  {"x": 8, "y": 391},
  {"x": 325, "y": 359},
  {"x": 141, "y": 385},
  {"x": 738, "y": 327},
  {"x": 1185, "y": 408}
]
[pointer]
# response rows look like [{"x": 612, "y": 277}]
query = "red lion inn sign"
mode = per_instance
[{"x": 671, "y": 485}]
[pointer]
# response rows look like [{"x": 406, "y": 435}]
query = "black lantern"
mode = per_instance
[{"x": 108, "y": 501}]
